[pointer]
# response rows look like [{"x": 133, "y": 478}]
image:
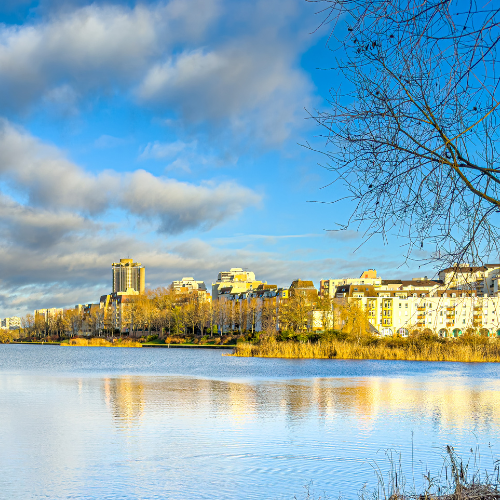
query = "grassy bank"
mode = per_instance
[
  {"x": 464, "y": 350},
  {"x": 100, "y": 343}
]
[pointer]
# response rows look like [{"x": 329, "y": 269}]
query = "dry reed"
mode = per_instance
[
  {"x": 337, "y": 349},
  {"x": 101, "y": 343}
]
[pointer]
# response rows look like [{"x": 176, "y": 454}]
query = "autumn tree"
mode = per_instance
[
  {"x": 269, "y": 317},
  {"x": 28, "y": 325}
]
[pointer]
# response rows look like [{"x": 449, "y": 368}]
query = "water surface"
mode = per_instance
[{"x": 111, "y": 423}]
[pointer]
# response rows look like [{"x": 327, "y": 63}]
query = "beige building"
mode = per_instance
[
  {"x": 327, "y": 288},
  {"x": 47, "y": 314},
  {"x": 13, "y": 323},
  {"x": 445, "y": 312},
  {"x": 188, "y": 284},
  {"x": 128, "y": 274},
  {"x": 192, "y": 287},
  {"x": 482, "y": 279},
  {"x": 234, "y": 281},
  {"x": 116, "y": 312}
]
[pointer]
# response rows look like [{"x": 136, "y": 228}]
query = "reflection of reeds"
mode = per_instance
[
  {"x": 348, "y": 349},
  {"x": 101, "y": 343}
]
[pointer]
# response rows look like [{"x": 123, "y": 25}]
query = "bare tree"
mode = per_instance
[
  {"x": 28, "y": 325},
  {"x": 413, "y": 125}
]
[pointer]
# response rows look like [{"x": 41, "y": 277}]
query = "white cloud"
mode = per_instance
[
  {"x": 236, "y": 65},
  {"x": 160, "y": 150},
  {"x": 54, "y": 182},
  {"x": 180, "y": 164},
  {"x": 251, "y": 83}
]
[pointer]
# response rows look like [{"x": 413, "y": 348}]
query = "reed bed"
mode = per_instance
[
  {"x": 100, "y": 343},
  {"x": 347, "y": 349}
]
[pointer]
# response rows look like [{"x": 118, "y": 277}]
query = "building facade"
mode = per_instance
[
  {"x": 400, "y": 306},
  {"x": 13, "y": 323},
  {"x": 327, "y": 288},
  {"x": 196, "y": 289},
  {"x": 236, "y": 280},
  {"x": 128, "y": 274}
]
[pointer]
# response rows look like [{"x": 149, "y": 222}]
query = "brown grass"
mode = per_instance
[
  {"x": 348, "y": 349},
  {"x": 100, "y": 343}
]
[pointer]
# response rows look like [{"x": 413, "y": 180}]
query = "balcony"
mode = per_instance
[
  {"x": 421, "y": 316},
  {"x": 420, "y": 325},
  {"x": 420, "y": 308},
  {"x": 450, "y": 308},
  {"x": 450, "y": 324}
]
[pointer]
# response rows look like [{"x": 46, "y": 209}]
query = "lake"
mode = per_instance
[{"x": 117, "y": 423}]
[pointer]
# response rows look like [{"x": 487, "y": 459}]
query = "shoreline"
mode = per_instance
[{"x": 167, "y": 346}]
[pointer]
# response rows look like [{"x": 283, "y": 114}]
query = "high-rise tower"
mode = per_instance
[{"x": 128, "y": 274}]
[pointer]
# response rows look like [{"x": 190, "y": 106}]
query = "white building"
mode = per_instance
[
  {"x": 188, "y": 285},
  {"x": 236, "y": 280},
  {"x": 13, "y": 323}
]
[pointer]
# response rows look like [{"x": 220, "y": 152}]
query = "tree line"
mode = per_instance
[{"x": 164, "y": 312}]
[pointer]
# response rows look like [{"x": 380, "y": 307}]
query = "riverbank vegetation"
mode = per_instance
[
  {"x": 98, "y": 342},
  {"x": 339, "y": 345}
]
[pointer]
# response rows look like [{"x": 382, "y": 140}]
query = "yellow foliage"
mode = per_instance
[{"x": 7, "y": 336}]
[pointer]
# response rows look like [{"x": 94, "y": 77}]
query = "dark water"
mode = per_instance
[{"x": 110, "y": 423}]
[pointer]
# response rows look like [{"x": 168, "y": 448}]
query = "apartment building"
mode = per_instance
[
  {"x": 327, "y": 288},
  {"x": 446, "y": 312},
  {"x": 483, "y": 279},
  {"x": 191, "y": 286},
  {"x": 235, "y": 281},
  {"x": 47, "y": 314},
  {"x": 128, "y": 274},
  {"x": 13, "y": 323},
  {"x": 116, "y": 312}
]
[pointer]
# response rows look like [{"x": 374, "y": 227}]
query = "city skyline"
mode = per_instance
[{"x": 170, "y": 131}]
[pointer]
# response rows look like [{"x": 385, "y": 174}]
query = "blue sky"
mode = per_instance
[{"x": 169, "y": 132}]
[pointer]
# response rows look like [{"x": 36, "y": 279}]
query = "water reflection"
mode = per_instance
[
  {"x": 446, "y": 405},
  {"x": 92, "y": 424},
  {"x": 124, "y": 397}
]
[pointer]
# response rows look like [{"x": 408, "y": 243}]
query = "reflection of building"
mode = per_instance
[
  {"x": 125, "y": 395},
  {"x": 128, "y": 274},
  {"x": 13, "y": 323},
  {"x": 234, "y": 281}
]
